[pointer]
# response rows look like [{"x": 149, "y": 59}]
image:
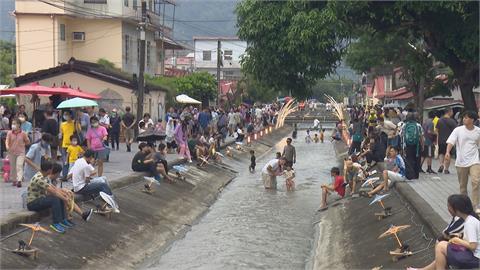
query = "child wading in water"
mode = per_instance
[
  {"x": 322, "y": 135},
  {"x": 315, "y": 138},
  {"x": 308, "y": 139},
  {"x": 253, "y": 163},
  {"x": 290, "y": 178},
  {"x": 337, "y": 186}
]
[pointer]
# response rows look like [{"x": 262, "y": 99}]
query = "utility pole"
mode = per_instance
[
  {"x": 219, "y": 64},
  {"x": 141, "y": 69}
]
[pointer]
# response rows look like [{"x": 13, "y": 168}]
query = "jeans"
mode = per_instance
[
  {"x": 95, "y": 186},
  {"x": 63, "y": 152},
  {"x": 58, "y": 208},
  {"x": 151, "y": 168}
]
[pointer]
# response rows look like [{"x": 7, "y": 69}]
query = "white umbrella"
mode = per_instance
[
  {"x": 76, "y": 103},
  {"x": 186, "y": 99}
]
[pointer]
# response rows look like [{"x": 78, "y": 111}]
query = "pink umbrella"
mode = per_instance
[{"x": 34, "y": 89}]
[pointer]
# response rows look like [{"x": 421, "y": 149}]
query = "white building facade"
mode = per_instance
[{"x": 232, "y": 51}]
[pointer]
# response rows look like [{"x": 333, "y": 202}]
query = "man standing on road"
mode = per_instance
[
  {"x": 445, "y": 126},
  {"x": 289, "y": 153},
  {"x": 128, "y": 121},
  {"x": 466, "y": 139}
]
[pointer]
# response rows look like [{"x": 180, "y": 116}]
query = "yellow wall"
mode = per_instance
[
  {"x": 103, "y": 39},
  {"x": 35, "y": 42},
  {"x": 35, "y": 6}
]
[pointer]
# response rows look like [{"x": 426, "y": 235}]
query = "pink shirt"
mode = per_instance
[
  {"x": 95, "y": 136},
  {"x": 17, "y": 142}
]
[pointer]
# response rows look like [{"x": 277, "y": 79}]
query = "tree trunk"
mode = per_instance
[
  {"x": 466, "y": 88},
  {"x": 421, "y": 99}
]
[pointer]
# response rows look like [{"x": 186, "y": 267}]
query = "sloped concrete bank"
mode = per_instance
[{"x": 146, "y": 224}]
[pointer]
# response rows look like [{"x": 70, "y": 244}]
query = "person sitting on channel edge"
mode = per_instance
[
  {"x": 142, "y": 162},
  {"x": 41, "y": 195},
  {"x": 84, "y": 183},
  {"x": 461, "y": 253}
]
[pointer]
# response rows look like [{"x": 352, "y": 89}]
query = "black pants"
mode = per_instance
[
  {"x": 412, "y": 161},
  {"x": 355, "y": 147},
  {"x": 151, "y": 168},
  {"x": 114, "y": 138}
]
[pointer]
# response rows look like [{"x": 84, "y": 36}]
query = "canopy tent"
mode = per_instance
[
  {"x": 36, "y": 89},
  {"x": 77, "y": 103},
  {"x": 78, "y": 93},
  {"x": 186, "y": 99}
]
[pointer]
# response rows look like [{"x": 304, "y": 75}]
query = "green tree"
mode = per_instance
[
  {"x": 336, "y": 88},
  {"x": 291, "y": 43},
  {"x": 385, "y": 51},
  {"x": 256, "y": 91},
  {"x": 7, "y": 62},
  {"x": 448, "y": 29},
  {"x": 199, "y": 85}
]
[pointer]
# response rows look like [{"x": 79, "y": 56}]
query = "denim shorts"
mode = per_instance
[{"x": 101, "y": 154}]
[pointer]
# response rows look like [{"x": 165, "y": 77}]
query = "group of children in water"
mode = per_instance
[{"x": 316, "y": 137}]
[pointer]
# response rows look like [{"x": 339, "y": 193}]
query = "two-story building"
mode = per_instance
[
  {"x": 232, "y": 51},
  {"x": 49, "y": 33}
]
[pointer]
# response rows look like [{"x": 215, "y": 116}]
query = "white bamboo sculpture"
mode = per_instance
[
  {"x": 287, "y": 109},
  {"x": 338, "y": 111}
]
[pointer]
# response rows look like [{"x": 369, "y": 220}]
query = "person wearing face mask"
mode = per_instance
[
  {"x": 115, "y": 129},
  {"x": 73, "y": 151},
  {"x": 24, "y": 124},
  {"x": 96, "y": 137},
  {"x": 15, "y": 143},
  {"x": 67, "y": 129},
  {"x": 37, "y": 152}
]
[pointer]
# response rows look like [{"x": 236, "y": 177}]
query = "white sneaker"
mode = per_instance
[{"x": 150, "y": 180}]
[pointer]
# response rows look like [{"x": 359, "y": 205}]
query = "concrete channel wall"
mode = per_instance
[{"x": 146, "y": 224}]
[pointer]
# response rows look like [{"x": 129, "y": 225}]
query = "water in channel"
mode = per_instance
[{"x": 250, "y": 228}]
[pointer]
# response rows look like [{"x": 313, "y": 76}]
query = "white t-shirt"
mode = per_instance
[
  {"x": 80, "y": 171},
  {"x": 273, "y": 163},
  {"x": 471, "y": 233},
  {"x": 466, "y": 141}
]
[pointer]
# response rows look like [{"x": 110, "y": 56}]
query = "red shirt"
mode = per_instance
[{"x": 339, "y": 188}]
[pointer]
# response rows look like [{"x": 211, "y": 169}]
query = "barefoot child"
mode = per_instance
[
  {"x": 252, "y": 161},
  {"x": 322, "y": 135},
  {"x": 337, "y": 186},
  {"x": 290, "y": 178},
  {"x": 315, "y": 138},
  {"x": 308, "y": 139}
]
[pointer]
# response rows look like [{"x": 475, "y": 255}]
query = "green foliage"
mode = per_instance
[
  {"x": 7, "y": 68},
  {"x": 256, "y": 91},
  {"x": 199, "y": 85},
  {"x": 106, "y": 64},
  {"x": 291, "y": 43},
  {"x": 448, "y": 30}
]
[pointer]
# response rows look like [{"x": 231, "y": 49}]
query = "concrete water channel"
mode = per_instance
[{"x": 251, "y": 228}]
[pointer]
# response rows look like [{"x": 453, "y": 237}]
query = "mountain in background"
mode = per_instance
[
  {"x": 7, "y": 22},
  {"x": 203, "y": 18}
]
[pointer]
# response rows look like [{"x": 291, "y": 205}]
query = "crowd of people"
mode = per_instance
[
  {"x": 74, "y": 144},
  {"x": 397, "y": 145}
]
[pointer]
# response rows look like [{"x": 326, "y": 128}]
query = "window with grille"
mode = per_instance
[
  {"x": 207, "y": 55},
  {"x": 62, "y": 32},
  {"x": 227, "y": 54},
  {"x": 127, "y": 48}
]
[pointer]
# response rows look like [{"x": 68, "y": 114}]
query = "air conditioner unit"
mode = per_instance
[{"x": 78, "y": 36}]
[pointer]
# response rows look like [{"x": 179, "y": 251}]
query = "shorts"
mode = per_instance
[
  {"x": 461, "y": 258},
  {"x": 129, "y": 135},
  {"x": 442, "y": 148},
  {"x": 269, "y": 181},
  {"x": 395, "y": 176},
  {"x": 101, "y": 154},
  {"x": 288, "y": 163},
  {"x": 428, "y": 151}
]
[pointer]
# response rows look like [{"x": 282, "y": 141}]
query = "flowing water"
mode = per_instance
[{"x": 251, "y": 228}]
